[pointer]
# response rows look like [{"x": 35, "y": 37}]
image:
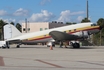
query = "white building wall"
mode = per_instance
[{"x": 35, "y": 26}]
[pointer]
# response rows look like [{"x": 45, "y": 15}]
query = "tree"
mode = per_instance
[
  {"x": 99, "y": 35},
  {"x": 12, "y": 23},
  {"x": 85, "y": 20},
  {"x": 19, "y": 27},
  {"x": 100, "y": 22},
  {"x": 2, "y": 23}
]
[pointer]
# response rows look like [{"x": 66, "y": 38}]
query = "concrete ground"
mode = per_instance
[{"x": 37, "y": 57}]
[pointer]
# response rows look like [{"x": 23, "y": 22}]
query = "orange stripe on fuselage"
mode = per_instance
[{"x": 72, "y": 31}]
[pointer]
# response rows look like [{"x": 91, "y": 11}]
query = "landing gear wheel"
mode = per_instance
[
  {"x": 18, "y": 46},
  {"x": 3, "y": 47},
  {"x": 8, "y": 47},
  {"x": 76, "y": 45}
]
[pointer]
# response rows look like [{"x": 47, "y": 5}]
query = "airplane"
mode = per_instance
[{"x": 72, "y": 33}]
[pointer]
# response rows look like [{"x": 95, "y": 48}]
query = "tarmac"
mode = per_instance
[{"x": 38, "y": 57}]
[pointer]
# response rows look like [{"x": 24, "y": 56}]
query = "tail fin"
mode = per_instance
[{"x": 10, "y": 31}]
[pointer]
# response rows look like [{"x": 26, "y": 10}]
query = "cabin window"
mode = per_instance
[
  {"x": 69, "y": 30},
  {"x": 74, "y": 29},
  {"x": 64, "y": 31},
  {"x": 41, "y": 29}
]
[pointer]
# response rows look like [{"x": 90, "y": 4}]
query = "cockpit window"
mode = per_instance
[{"x": 93, "y": 25}]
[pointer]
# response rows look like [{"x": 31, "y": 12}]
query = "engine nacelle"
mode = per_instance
[{"x": 82, "y": 34}]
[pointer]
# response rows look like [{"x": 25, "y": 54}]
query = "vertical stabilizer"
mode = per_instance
[{"x": 10, "y": 31}]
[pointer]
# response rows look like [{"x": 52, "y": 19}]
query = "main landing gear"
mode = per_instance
[
  {"x": 18, "y": 46},
  {"x": 75, "y": 45}
]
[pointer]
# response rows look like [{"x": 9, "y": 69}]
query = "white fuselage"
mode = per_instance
[{"x": 33, "y": 37}]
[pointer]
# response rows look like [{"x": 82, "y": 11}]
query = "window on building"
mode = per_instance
[
  {"x": 24, "y": 29},
  {"x": 41, "y": 29},
  {"x": 46, "y": 28},
  {"x": 28, "y": 29}
]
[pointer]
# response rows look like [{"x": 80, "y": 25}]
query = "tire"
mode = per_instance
[
  {"x": 18, "y": 46},
  {"x": 76, "y": 45},
  {"x": 8, "y": 47}
]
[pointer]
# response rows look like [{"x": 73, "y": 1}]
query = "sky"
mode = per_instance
[{"x": 50, "y": 10}]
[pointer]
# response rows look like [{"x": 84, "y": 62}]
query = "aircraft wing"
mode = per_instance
[{"x": 62, "y": 36}]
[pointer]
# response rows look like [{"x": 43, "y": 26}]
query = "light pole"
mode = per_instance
[{"x": 87, "y": 11}]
